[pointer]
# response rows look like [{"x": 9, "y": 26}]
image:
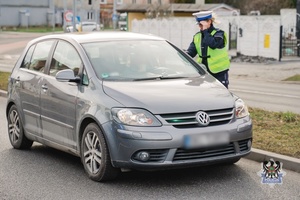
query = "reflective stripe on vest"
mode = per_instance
[{"x": 218, "y": 60}]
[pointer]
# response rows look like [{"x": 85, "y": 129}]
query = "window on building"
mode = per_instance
[
  {"x": 149, "y": 1},
  {"x": 133, "y": 1},
  {"x": 119, "y": 1},
  {"x": 90, "y": 15},
  {"x": 103, "y": 1}
]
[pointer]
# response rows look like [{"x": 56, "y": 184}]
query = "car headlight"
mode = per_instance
[
  {"x": 241, "y": 109},
  {"x": 134, "y": 117}
]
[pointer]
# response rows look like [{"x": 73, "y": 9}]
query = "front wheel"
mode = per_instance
[
  {"x": 16, "y": 131},
  {"x": 95, "y": 155}
]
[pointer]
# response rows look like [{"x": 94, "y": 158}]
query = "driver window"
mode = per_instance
[{"x": 65, "y": 57}]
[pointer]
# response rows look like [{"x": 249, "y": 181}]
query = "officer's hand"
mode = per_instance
[{"x": 204, "y": 25}]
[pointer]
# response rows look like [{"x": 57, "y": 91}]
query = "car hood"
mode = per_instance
[{"x": 172, "y": 95}]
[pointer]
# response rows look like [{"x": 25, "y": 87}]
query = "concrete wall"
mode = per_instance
[
  {"x": 260, "y": 34},
  {"x": 256, "y": 32},
  {"x": 25, "y": 12}
]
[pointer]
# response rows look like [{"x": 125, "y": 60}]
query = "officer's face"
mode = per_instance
[{"x": 204, "y": 24}]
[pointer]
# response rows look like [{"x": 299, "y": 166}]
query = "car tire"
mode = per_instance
[
  {"x": 95, "y": 155},
  {"x": 16, "y": 131}
]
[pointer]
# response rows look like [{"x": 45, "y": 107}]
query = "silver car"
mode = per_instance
[
  {"x": 123, "y": 101},
  {"x": 85, "y": 27}
]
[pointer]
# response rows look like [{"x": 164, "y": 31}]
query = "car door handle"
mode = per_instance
[
  {"x": 44, "y": 87},
  {"x": 17, "y": 79}
]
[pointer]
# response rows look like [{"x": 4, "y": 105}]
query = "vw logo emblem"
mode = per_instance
[{"x": 202, "y": 118}]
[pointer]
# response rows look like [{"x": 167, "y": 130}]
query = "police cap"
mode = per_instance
[{"x": 202, "y": 15}]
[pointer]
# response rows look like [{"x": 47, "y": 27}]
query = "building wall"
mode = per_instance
[
  {"x": 134, "y": 16},
  {"x": 25, "y": 12}
]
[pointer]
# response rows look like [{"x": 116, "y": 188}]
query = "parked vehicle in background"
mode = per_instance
[
  {"x": 87, "y": 26},
  {"x": 122, "y": 22},
  {"x": 123, "y": 101}
]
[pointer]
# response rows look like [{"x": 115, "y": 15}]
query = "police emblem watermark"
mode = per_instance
[{"x": 271, "y": 173}]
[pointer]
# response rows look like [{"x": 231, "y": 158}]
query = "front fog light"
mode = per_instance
[
  {"x": 249, "y": 144},
  {"x": 143, "y": 156}
]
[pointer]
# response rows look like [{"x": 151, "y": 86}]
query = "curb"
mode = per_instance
[
  {"x": 288, "y": 162},
  {"x": 258, "y": 155},
  {"x": 3, "y": 93}
]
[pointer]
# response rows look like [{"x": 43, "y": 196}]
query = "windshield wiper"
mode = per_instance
[{"x": 158, "y": 78}]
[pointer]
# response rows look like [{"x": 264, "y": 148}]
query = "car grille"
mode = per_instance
[
  {"x": 183, "y": 154},
  {"x": 159, "y": 155},
  {"x": 188, "y": 120}
]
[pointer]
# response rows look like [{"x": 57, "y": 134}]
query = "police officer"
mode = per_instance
[{"x": 209, "y": 43}]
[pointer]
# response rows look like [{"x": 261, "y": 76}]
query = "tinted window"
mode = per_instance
[
  {"x": 40, "y": 55},
  {"x": 65, "y": 57}
]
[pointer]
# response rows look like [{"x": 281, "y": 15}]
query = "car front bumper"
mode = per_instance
[{"x": 165, "y": 147}]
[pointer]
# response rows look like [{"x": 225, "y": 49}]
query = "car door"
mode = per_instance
[
  {"x": 58, "y": 99},
  {"x": 29, "y": 79}
]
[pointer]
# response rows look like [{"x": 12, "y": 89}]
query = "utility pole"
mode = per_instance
[
  {"x": 298, "y": 26},
  {"x": 65, "y": 9},
  {"x": 74, "y": 15},
  {"x": 114, "y": 17}
]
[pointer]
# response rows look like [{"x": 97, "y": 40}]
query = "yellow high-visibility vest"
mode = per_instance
[{"x": 218, "y": 59}]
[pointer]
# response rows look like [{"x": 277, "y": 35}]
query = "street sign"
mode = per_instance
[
  {"x": 68, "y": 16},
  {"x": 115, "y": 17}
]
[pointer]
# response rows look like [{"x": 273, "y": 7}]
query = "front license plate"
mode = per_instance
[{"x": 205, "y": 140}]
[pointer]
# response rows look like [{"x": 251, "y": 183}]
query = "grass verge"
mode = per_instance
[
  {"x": 33, "y": 29},
  {"x": 293, "y": 78},
  {"x": 278, "y": 132},
  {"x": 4, "y": 80}
]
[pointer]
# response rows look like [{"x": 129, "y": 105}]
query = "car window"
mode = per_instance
[
  {"x": 27, "y": 58},
  {"x": 65, "y": 57},
  {"x": 120, "y": 60},
  {"x": 85, "y": 79},
  {"x": 39, "y": 56}
]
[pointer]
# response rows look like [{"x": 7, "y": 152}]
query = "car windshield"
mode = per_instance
[{"x": 139, "y": 60}]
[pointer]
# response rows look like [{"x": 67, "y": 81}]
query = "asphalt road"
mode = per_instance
[
  {"x": 45, "y": 173},
  {"x": 272, "y": 96}
]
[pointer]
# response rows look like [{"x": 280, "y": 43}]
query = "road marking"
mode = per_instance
[{"x": 266, "y": 93}]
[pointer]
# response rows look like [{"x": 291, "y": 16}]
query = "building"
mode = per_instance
[{"x": 52, "y": 12}]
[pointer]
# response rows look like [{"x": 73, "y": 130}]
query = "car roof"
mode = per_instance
[{"x": 86, "y": 37}]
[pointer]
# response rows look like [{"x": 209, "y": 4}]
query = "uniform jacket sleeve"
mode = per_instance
[
  {"x": 192, "y": 51},
  {"x": 215, "y": 41}
]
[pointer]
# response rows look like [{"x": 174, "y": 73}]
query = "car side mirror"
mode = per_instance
[{"x": 67, "y": 75}]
